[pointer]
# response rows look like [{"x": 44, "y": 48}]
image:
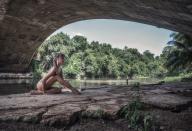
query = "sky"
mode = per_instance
[{"x": 120, "y": 33}]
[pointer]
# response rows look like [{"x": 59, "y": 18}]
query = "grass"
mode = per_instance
[
  {"x": 94, "y": 114},
  {"x": 179, "y": 78}
]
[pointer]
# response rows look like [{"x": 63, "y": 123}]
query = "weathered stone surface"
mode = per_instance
[
  {"x": 63, "y": 110},
  {"x": 24, "y": 24},
  {"x": 25, "y": 115},
  {"x": 61, "y": 115},
  {"x": 167, "y": 101}
]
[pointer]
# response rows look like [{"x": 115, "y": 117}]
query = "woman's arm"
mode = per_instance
[{"x": 61, "y": 73}]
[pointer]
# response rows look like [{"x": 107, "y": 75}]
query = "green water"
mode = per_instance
[
  {"x": 17, "y": 86},
  {"x": 99, "y": 82}
]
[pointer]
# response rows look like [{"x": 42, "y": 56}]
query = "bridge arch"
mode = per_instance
[{"x": 24, "y": 25}]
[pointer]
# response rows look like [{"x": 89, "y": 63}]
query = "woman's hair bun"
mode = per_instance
[{"x": 61, "y": 55}]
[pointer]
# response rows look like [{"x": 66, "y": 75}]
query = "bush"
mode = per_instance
[
  {"x": 147, "y": 122},
  {"x": 132, "y": 112},
  {"x": 136, "y": 86}
]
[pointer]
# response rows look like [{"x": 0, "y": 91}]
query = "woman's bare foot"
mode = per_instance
[{"x": 54, "y": 91}]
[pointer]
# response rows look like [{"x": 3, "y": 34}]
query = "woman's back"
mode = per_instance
[{"x": 55, "y": 71}]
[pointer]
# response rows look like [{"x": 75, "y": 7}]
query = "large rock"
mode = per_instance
[
  {"x": 167, "y": 101},
  {"x": 61, "y": 115},
  {"x": 63, "y": 110}
]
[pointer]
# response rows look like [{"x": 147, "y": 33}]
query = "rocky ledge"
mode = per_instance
[{"x": 170, "y": 104}]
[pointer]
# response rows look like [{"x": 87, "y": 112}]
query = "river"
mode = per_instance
[{"x": 15, "y": 86}]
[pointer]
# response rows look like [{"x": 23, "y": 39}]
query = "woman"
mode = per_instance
[{"x": 54, "y": 74}]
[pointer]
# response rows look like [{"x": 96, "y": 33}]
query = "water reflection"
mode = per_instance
[
  {"x": 15, "y": 86},
  {"x": 92, "y": 83},
  {"x": 6, "y": 89}
]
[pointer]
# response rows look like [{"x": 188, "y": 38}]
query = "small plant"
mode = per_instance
[
  {"x": 147, "y": 122},
  {"x": 99, "y": 113},
  {"x": 94, "y": 114},
  {"x": 136, "y": 86},
  {"x": 132, "y": 112},
  {"x": 161, "y": 82}
]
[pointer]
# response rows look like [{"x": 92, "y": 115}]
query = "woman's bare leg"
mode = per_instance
[
  {"x": 49, "y": 89},
  {"x": 49, "y": 82},
  {"x": 53, "y": 91},
  {"x": 67, "y": 84},
  {"x": 39, "y": 87}
]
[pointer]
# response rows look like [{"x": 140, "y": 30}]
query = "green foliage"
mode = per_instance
[
  {"x": 36, "y": 72},
  {"x": 136, "y": 84},
  {"x": 100, "y": 60},
  {"x": 136, "y": 119},
  {"x": 94, "y": 114},
  {"x": 132, "y": 112},
  {"x": 178, "y": 78},
  {"x": 179, "y": 53},
  {"x": 147, "y": 122},
  {"x": 97, "y": 60}
]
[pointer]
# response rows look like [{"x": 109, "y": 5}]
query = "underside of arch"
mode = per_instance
[{"x": 24, "y": 24}]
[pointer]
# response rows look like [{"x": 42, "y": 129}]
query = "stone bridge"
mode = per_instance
[{"x": 24, "y": 24}]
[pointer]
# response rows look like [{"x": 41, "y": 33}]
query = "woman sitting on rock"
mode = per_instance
[{"x": 54, "y": 74}]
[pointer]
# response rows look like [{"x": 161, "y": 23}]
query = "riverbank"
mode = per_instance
[{"x": 97, "y": 109}]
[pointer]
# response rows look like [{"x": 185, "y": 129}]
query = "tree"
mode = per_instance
[
  {"x": 80, "y": 42},
  {"x": 97, "y": 60},
  {"x": 148, "y": 56},
  {"x": 74, "y": 67},
  {"x": 180, "y": 52}
]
